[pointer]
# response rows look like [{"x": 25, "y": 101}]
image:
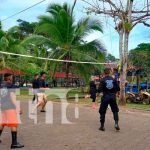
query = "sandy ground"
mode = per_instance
[{"x": 83, "y": 133}]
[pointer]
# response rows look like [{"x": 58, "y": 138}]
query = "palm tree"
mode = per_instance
[
  {"x": 9, "y": 43},
  {"x": 60, "y": 32}
]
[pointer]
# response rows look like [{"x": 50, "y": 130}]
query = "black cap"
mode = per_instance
[
  {"x": 107, "y": 71},
  {"x": 42, "y": 73}
]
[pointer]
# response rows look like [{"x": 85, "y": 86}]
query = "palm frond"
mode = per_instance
[
  {"x": 85, "y": 27},
  {"x": 52, "y": 31},
  {"x": 36, "y": 40}
]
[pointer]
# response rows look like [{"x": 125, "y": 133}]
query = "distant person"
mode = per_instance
[
  {"x": 9, "y": 109},
  {"x": 35, "y": 86},
  {"x": 76, "y": 83},
  {"x": 93, "y": 92},
  {"x": 109, "y": 87},
  {"x": 116, "y": 74},
  {"x": 42, "y": 98},
  {"x": 54, "y": 83}
]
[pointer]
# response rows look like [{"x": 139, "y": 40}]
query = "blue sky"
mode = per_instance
[{"x": 109, "y": 38}]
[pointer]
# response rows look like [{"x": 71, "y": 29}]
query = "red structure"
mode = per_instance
[
  {"x": 11, "y": 71},
  {"x": 63, "y": 75}
]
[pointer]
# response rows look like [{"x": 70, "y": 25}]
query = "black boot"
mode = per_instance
[
  {"x": 117, "y": 126},
  {"x": 33, "y": 99},
  {"x": 102, "y": 128},
  {"x": 15, "y": 144},
  {"x": 116, "y": 118},
  {"x": 0, "y": 135},
  {"x": 43, "y": 110}
]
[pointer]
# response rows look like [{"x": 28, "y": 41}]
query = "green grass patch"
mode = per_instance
[
  {"x": 73, "y": 92},
  {"x": 139, "y": 106},
  {"x": 24, "y": 95},
  {"x": 24, "y": 92}
]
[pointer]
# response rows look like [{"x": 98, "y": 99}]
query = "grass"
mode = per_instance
[
  {"x": 73, "y": 92},
  {"x": 24, "y": 92},
  {"x": 24, "y": 95},
  {"x": 139, "y": 106}
]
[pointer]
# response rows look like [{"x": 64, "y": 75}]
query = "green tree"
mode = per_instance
[
  {"x": 110, "y": 58},
  {"x": 60, "y": 32},
  {"x": 140, "y": 56},
  {"x": 26, "y": 27},
  {"x": 10, "y": 41}
]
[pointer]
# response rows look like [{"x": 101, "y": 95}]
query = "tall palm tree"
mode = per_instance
[
  {"x": 65, "y": 37},
  {"x": 10, "y": 42}
]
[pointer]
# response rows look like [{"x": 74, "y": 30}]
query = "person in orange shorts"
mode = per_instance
[{"x": 9, "y": 109}]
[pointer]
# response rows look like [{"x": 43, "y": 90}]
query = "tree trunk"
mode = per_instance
[
  {"x": 67, "y": 73},
  {"x": 123, "y": 71},
  {"x": 74, "y": 4},
  {"x": 121, "y": 51},
  {"x": 46, "y": 65},
  {"x": 138, "y": 83},
  {"x": 124, "y": 60},
  {"x": 68, "y": 64}
]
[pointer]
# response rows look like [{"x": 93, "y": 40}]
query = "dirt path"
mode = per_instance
[{"x": 83, "y": 134}]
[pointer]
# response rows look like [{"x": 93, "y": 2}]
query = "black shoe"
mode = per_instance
[
  {"x": 43, "y": 111},
  {"x": 13, "y": 146},
  {"x": 0, "y": 141},
  {"x": 117, "y": 127},
  {"x": 102, "y": 128}
]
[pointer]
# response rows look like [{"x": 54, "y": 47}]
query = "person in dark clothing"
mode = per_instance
[
  {"x": 54, "y": 83},
  {"x": 116, "y": 75},
  {"x": 9, "y": 109},
  {"x": 42, "y": 99},
  {"x": 93, "y": 92},
  {"x": 109, "y": 87},
  {"x": 35, "y": 86}
]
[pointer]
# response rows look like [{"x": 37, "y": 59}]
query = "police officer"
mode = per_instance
[
  {"x": 109, "y": 87},
  {"x": 93, "y": 92}
]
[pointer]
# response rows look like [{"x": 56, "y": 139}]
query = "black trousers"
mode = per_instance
[
  {"x": 105, "y": 101},
  {"x": 35, "y": 97},
  {"x": 93, "y": 97}
]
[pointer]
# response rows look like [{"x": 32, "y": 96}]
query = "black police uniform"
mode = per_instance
[
  {"x": 35, "y": 86},
  {"x": 93, "y": 91},
  {"x": 42, "y": 84},
  {"x": 109, "y": 87}
]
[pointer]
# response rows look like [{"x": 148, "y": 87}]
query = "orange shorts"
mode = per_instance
[{"x": 9, "y": 118}]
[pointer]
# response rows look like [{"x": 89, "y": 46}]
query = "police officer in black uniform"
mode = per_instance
[
  {"x": 93, "y": 91},
  {"x": 109, "y": 87}
]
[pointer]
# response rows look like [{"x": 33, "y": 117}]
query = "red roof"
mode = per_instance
[
  {"x": 11, "y": 71},
  {"x": 63, "y": 75}
]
